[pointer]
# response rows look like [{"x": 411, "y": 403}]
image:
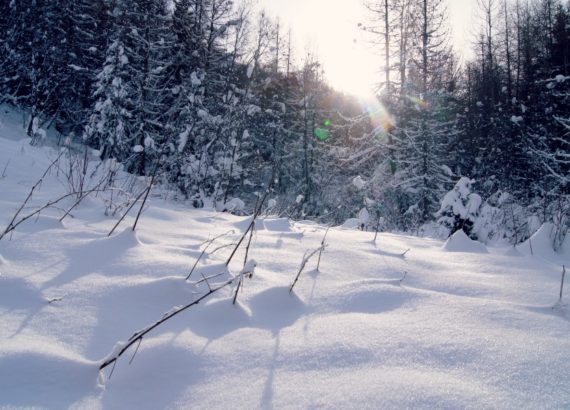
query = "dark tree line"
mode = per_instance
[
  {"x": 213, "y": 95},
  {"x": 501, "y": 120},
  {"x": 204, "y": 88}
]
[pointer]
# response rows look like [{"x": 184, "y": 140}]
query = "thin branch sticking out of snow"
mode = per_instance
[
  {"x": 139, "y": 335},
  {"x": 306, "y": 259}
]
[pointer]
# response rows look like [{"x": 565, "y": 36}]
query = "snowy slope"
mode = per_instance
[{"x": 440, "y": 327}]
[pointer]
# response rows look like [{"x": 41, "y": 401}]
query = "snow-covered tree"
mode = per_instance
[{"x": 460, "y": 208}]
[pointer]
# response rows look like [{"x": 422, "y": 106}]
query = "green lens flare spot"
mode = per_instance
[
  {"x": 327, "y": 123},
  {"x": 322, "y": 134}
]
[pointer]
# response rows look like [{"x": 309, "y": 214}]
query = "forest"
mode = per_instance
[{"x": 210, "y": 99}]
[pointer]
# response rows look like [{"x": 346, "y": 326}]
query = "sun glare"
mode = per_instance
[{"x": 330, "y": 28}]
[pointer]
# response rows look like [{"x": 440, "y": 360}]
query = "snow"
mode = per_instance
[
  {"x": 540, "y": 244},
  {"x": 370, "y": 329},
  {"x": 461, "y": 201},
  {"x": 196, "y": 82},
  {"x": 250, "y": 69},
  {"x": 358, "y": 182},
  {"x": 460, "y": 242},
  {"x": 183, "y": 138},
  {"x": 351, "y": 223},
  {"x": 277, "y": 224},
  {"x": 363, "y": 217},
  {"x": 138, "y": 148},
  {"x": 234, "y": 204}
]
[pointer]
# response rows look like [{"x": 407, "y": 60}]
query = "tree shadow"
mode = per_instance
[{"x": 267, "y": 395}]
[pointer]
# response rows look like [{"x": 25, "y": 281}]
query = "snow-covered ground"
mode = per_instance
[{"x": 448, "y": 325}]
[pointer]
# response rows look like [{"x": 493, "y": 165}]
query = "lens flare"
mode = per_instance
[
  {"x": 383, "y": 123},
  {"x": 418, "y": 101},
  {"x": 321, "y": 133}
]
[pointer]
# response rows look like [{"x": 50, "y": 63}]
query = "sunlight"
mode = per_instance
[
  {"x": 330, "y": 28},
  {"x": 381, "y": 119}
]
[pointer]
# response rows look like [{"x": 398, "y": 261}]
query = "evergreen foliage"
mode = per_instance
[{"x": 214, "y": 96}]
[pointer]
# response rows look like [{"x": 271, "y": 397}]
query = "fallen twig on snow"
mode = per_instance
[{"x": 139, "y": 335}]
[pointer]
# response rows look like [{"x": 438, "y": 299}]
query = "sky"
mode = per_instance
[{"x": 330, "y": 27}]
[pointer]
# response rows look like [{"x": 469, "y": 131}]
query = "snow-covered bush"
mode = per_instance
[
  {"x": 363, "y": 218},
  {"x": 460, "y": 208}
]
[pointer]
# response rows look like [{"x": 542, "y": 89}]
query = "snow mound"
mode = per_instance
[
  {"x": 217, "y": 318},
  {"x": 3, "y": 261},
  {"x": 46, "y": 377},
  {"x": 542, "y": 243},
  {"x": 124, "y": 240},
  {"x": 512, "y": 251},
  {"x": 363, "y": 297},
  {"x": 244, "y": 223},
  {"x": 460, "y": 242},
  {"x": 40, "y": 223},
  {"x": 275, "y": 308},
  {"x": 351, "y": 223},
  {"x": 277, "y": 225}
]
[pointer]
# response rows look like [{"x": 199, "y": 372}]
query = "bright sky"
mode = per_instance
[{"x": 330, "y": 28}]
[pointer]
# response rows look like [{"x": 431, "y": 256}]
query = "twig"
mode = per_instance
[
  {"x": 219, "y": 248},
  {"x": 306, "y": 259},
  {"x": 136, "y": 350},
  {"x": 252, "y": 223},
  {"x": 126, "y": 213},
  {"x": 139, "y": 335},
  {"x": 209, "y": 242},
  {"x": 562, "y": 283},
  {"x": 152, "y": 179},
  {"x": 251, "y": 231},
  {"x": 11, "y": 226},
  {"x": 246, "y": 272},
  {"x": 5, "y": 169},
  {"x": 322, "y": 248},
  {"x": 82, "y": 196},
  {"x": 36, "y": 185},
  {"x": 207, "y": 278},
  {"x": 376, "y": 230},
  {"x": 239, "y": 285}
]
